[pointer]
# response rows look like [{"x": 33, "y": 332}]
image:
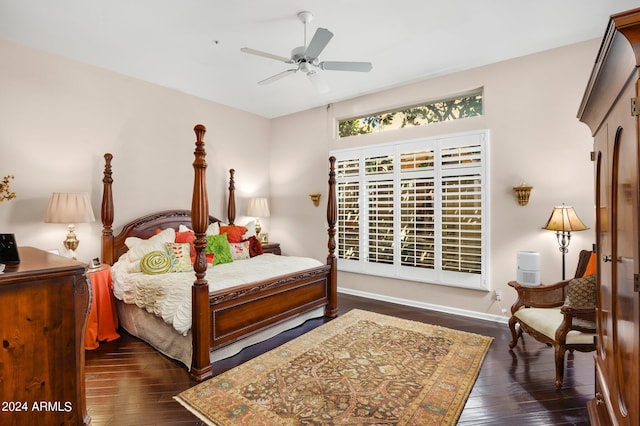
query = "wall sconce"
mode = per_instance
[
  {"x": 523, "y": 192},
  {"x": 315, "y": 198}
]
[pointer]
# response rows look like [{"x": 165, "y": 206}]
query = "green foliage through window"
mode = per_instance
[{"x": 469, "y": 105}]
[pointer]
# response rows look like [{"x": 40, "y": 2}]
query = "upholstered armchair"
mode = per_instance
[{"x": 561, "y": 314}]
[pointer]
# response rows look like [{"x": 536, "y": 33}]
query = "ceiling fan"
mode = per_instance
[{"x": 305, "y": 58}]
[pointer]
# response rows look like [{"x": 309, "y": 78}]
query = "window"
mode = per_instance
[
  {"x": 415, "y": 210},
  {"x": 454, "y": 108}
]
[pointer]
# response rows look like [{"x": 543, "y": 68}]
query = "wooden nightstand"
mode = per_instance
[{"x": 272, "y": 248}]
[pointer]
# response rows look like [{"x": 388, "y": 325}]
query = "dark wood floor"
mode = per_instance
[{"x": 129, "y": 383}]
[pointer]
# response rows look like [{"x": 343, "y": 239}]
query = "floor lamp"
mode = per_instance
[{"x": 564, "y": 220}]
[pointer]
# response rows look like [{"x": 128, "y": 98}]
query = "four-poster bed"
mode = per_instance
[{"x": 224, "y": 317}]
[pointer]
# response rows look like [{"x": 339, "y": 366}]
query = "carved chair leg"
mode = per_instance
[
  {"x": 559, "y": 355},
  {"x": 515, "y": 334}
]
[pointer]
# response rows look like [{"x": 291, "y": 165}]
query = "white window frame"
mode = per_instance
[{"x": 437, "y": 275}]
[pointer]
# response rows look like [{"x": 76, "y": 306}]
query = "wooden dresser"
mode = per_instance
[
  {"x": 611, "y": 108},
  {"x": 44, "y": 304}
]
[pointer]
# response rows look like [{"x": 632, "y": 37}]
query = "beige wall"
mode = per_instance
[
  {"x": 530, "y": 110},
  {"x": 59, "y": 117}
]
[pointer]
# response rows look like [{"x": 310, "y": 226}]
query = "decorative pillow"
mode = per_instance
[
  {"x": 251, "y": 230},
  {"x": 139, "y": 247},
  {"x": 255, "y": 247},
  {"x": 179, "y": 255},
  {"x": 187, "y": 237},
  {"x": 234, "y": 232},
  {"x": 239, "y": 251},
  {"x": 219, "y": 246},
  {"x": 591, "y": 266},
  {"x": 581, "y": 291},
  {"x": 155, "y": 262}
]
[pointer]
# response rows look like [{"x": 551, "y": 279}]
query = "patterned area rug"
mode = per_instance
[{"x": 361, "y": 368}]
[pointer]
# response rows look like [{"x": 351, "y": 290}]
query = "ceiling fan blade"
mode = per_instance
[
  {"x": 266, "y": 55},
  {"x": 346, "y": 66},
  {"x": 318, "y": 43},
  {"x": 278, "y": 76},
  {"x": 318, "y": 82}
]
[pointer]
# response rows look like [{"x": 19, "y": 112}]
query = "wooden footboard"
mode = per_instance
[
  {"x": 237, "y": 313},
  {"x": 224, "y": 317}
]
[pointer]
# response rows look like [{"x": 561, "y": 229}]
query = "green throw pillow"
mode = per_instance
[
  {"x": 219, "y": 246},
  {"x": 155, "y": 262}
]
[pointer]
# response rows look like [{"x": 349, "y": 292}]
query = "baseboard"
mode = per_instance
[{"x": 423, "y": 305}]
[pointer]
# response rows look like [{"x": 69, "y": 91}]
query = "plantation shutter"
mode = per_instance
[
  {"x": 461, "y": 209},
  {"x": 348, "y": 226},
  {"x": 417, "y": 214},
  {"x": 415, "y": 210},
  {"x": 379, "y": 170}
]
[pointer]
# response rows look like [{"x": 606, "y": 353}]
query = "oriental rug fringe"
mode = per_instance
[{"x": 361, "y": 368}]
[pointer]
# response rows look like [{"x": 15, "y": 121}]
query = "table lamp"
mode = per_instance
[
  {"x": 70, "y": 208},
  {"x": 258, "y": 207}
]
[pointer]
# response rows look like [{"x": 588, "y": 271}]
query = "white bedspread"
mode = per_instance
[{"x": 169, "y": 295}]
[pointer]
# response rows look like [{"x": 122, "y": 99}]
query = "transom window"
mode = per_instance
[
  {"x": 415, "y": 210},
  {"x": 454, "y": 108}
]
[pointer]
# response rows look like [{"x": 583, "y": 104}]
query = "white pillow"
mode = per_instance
[
  {"x": 213, "y": 229},
  {"x": 138, "y": 247},
  {"x": 183, "y": 228},
  {"x": 251, "y": 229}
]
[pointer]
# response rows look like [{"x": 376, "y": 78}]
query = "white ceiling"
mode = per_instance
[{"x": 194, "y": 45}]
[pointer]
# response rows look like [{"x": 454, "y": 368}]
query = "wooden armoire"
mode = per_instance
[{"x": 611, "y": 109}]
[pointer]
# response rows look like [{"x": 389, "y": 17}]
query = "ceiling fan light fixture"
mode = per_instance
[{"x": 305, "y": 67}]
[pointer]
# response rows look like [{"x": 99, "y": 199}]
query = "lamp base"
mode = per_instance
[
  {"x": 258, "y": 228},
  {"x": 71, "y": 243},
  {"x": 564, "y": 238}
]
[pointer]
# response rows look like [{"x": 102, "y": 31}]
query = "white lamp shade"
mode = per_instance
[
  {"x": 258, "y": 207},
  {"x": 69, "y": 208}
]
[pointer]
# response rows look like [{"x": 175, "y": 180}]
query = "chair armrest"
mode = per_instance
[
  {"x": 580, "y": 318},
  {"x": 577, "y": 310},
  {"x": 542, "y": 296}
]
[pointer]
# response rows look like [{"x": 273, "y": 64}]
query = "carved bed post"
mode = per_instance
[
  {"x": 106, "y": 212},
  {"x": 331, "y": 310},
  {"x": 231, "y": 205},
  {"x": 201, "y": 321}
]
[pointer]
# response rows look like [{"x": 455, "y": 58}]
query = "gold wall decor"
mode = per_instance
[
  {"x": 523, "y": 192},
  {"x": 315, "y": 198}
]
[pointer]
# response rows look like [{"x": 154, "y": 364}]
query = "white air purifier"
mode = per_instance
[{"x": 528, "y": 273}]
